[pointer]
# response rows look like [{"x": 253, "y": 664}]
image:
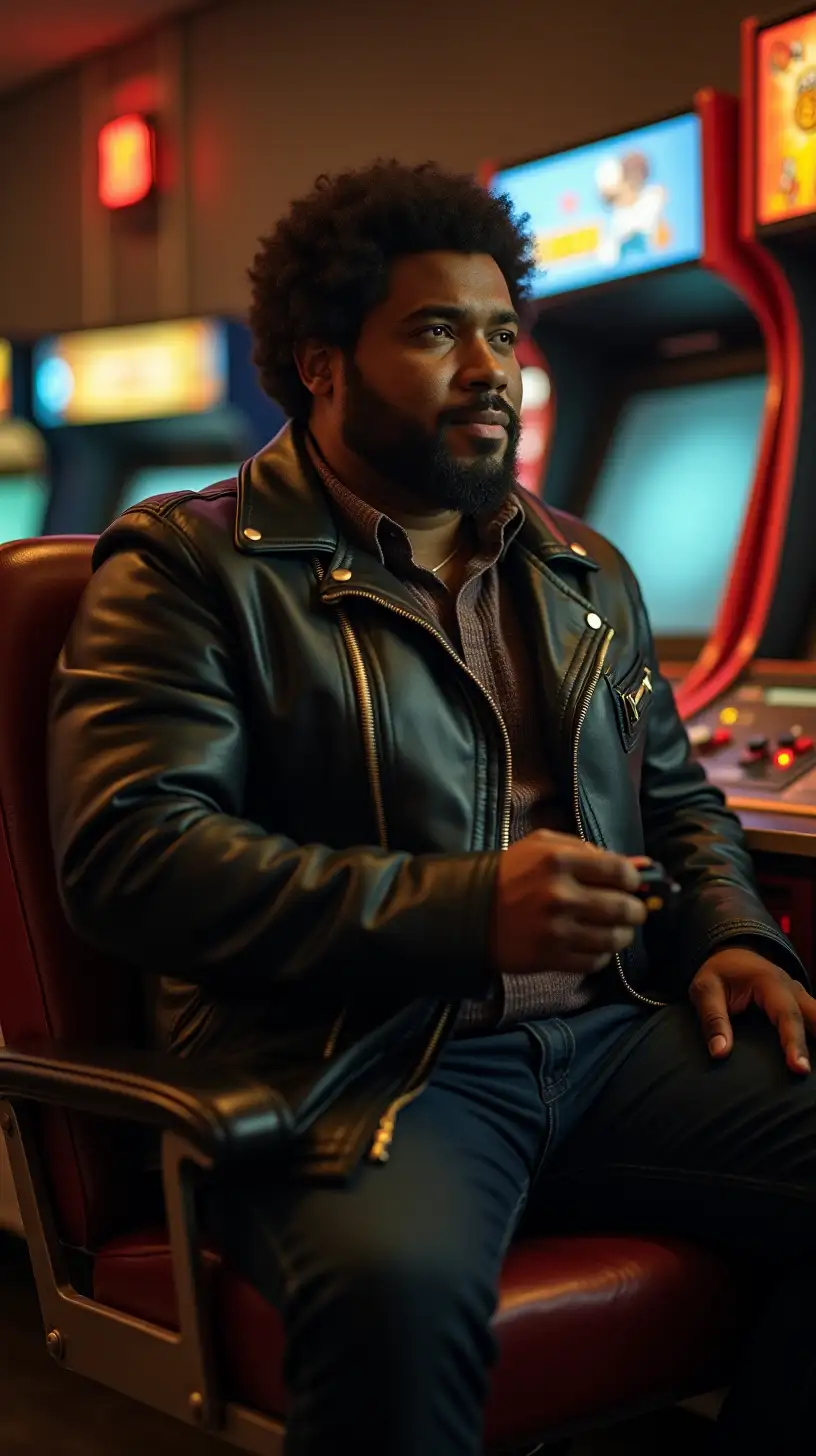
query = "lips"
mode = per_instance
[{"x": 495, "y": 418}]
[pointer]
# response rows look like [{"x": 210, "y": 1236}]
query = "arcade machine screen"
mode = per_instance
[
  {"x": 674, "y": 487},
  {"x": 622, "y": 206},
  {"x": 147, "y": 406},
  {"x": 679, "y": 433}
]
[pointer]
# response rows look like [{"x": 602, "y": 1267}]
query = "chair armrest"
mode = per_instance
[{"x": 224, "y": 1114}]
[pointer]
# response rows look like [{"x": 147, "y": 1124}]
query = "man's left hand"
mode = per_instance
[{"x": 730, "y": 981}]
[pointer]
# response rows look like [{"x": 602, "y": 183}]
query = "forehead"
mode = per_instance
[{"x": 471, "y": 281}]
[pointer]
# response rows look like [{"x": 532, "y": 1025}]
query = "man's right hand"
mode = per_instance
[{"x": 562, "y": 905}]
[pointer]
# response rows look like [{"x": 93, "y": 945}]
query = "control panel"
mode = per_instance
[{"x": 758, "y": 741}]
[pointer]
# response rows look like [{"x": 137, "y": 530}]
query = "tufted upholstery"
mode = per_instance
[{"x": 588, "y": 1326}]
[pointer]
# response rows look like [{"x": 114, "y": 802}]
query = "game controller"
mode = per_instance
[{"x": 656, "y": 888}]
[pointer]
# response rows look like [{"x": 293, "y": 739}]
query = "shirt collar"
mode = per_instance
[{"x": 387, "y": 540}]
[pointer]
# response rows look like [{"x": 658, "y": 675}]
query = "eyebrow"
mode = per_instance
[{"x": 453, "y": 314}]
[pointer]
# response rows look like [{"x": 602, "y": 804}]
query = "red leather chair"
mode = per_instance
[{"x": 591, "y": 1329}]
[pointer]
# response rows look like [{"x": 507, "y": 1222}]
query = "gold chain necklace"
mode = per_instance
[{"x": 435, "y": 569}]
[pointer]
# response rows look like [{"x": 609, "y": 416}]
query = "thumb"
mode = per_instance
[{"x": 709, "y": 1001}]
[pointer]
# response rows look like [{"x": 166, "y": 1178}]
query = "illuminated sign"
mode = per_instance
[
  {"x": 127, "y": 161},
  {"x": 786, "y": 120},
  {"x": 149, "y": 371},
  {"x": 625, "y": 205},
  {"x": 5, "y": 378}
]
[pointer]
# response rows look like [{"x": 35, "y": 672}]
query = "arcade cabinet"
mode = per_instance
[
  {"x": 658, "y": 332},
  {"x": 766, "y": 685},
  {"x": 23, "y": 485},
  {"x": 143, "y": 410},
  {"x": 665, "y": 331}
]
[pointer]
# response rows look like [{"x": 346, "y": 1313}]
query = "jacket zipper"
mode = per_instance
[
  {"x": 359, "y": 668},
  {"x": 365, "y": 708},
  {"x": 634, "y": 700},
  {"x": 380, "y": 1150},
  {"x": 384, "y": 1136},
  {"x": 576, "y": 798}
]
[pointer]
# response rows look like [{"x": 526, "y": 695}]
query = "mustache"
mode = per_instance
[{"x": 480, "y": 403}]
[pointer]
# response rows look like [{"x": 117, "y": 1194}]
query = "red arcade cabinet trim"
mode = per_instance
[
  {"x": 762, "y": 569},
  {"x": 739, "y": 260}
]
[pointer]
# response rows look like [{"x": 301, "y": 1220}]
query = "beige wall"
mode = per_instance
[{"x": 264, "y": 94}]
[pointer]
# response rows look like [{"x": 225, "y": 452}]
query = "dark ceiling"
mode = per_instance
[{"x": 37, "y": 36}]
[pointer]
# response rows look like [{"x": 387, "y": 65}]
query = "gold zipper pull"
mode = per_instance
[
  {"x": 334, "y": 1035},
  {"x": 635, "y": 699},
  {"x": 381, "y": 1146}
]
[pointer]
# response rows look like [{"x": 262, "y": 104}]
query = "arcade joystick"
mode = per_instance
[{"x": 656, "y": 888}]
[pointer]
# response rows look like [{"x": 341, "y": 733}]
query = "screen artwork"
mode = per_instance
[
  {"x": 626, "y": 205},
  {"x": 786, "y": 120}
]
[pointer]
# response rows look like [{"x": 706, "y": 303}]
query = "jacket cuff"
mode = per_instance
[
  {"x": 451, "y": 932},
  {"x": 779, "y": 951}
]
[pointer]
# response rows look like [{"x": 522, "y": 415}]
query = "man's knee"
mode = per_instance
[{"x": 401, "y": 1286}]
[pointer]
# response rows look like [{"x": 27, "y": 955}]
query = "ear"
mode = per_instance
[{"x": 314, "y": 365}]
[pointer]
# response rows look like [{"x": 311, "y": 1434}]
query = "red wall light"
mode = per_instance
[{"x": 127, "y": 161}]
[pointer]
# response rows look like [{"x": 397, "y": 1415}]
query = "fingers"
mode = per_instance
[
  {"x": 596, "y": 907},
  {"x": 598, "y": 867},
  {"x": 709, "y": 1001},
  {"x": 780, "y": 1004},
  {"x": 594, "y": 940}
]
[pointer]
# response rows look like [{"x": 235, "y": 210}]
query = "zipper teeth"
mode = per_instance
[
  {"x": 636, "y": 995},
  {"x": 385, "y": 1130},
  {"x": 365, "y": 708},
  {"x": 411, "y": 617},
  {"x": 381, "y": 1146}
]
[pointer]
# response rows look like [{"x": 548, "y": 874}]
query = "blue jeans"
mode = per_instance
[{"x": 616, "y": 1118}]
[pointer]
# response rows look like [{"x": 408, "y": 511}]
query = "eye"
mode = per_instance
[
  {"x": 507, "y": 338},
  {"x": 435, "y": 331}
]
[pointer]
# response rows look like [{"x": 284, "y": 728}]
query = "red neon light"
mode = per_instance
[
  {"x": 784, "y": 922},
  {"x": 127, "y": 161}
]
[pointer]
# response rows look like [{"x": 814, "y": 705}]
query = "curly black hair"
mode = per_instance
[{"x": 326, "y": 264}]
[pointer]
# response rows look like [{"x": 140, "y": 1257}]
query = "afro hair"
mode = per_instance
[{"x": 326, "y": 264}]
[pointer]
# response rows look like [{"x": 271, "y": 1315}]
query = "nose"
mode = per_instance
[{"x": 481, "y": 369}]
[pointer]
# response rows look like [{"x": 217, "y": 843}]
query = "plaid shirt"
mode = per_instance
[{"x": 483, "y": 625}]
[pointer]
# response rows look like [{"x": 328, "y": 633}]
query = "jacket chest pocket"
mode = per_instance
[{"x": 632, "y": 697}]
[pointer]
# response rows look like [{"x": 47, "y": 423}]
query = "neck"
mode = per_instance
[{"x": 432, "y": 533}]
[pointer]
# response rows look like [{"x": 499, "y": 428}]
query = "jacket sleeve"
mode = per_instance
[
  {"x": 689, "y": 830},
  {"x": 158, "y": 860}
]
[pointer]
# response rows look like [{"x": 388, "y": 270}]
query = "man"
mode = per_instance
[{"x": 355, "y": 753}]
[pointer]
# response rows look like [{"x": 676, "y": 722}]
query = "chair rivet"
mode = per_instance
[
  {"x": 55, "y": 1345},
  {"x": 196, "y": 1404},
  {"x": 6, "y": 1124}
]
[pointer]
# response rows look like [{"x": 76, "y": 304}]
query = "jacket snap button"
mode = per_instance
[
  {"x": 341, "y": 574},
  {"x": 593, "y": 621},
  {"x": 251, "y": 534},
  {"x": 578, "y": 548}
]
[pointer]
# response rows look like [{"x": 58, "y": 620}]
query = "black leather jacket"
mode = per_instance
[{"x": 275, "y": 786}]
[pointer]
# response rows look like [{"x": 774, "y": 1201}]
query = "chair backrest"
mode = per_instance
[{"x": 51, "y": 985}]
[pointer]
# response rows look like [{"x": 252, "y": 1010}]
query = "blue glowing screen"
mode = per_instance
[
  {"x": 673, "y": 492},
  {"x": 626, "y": 205}
]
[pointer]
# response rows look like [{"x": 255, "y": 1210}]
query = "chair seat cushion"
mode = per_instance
[{"x": 588, "y": 1326}]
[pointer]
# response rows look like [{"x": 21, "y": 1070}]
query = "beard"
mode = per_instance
[{"x": 419, "y": 461}]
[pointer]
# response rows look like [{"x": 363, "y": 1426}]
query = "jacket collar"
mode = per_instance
[{"x": 283, "y": 507}]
